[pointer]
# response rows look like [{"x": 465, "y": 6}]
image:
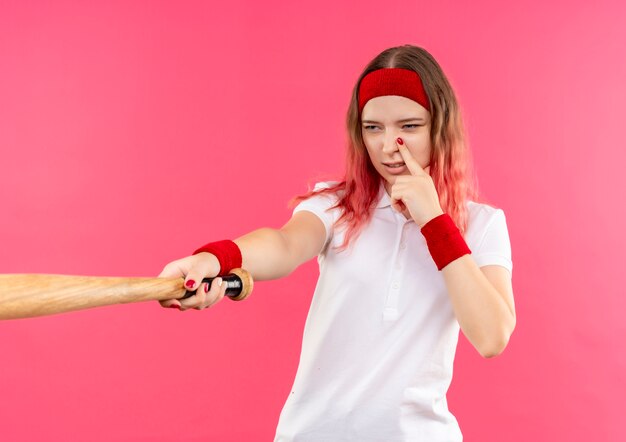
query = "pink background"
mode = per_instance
[{"x": 132, "y": 133}]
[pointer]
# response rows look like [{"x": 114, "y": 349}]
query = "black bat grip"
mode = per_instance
[{"x": 234, "y": 286}]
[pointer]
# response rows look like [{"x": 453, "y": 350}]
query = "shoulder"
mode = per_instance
[
  {"x": 481, "y": 212},
  {"x": 482, "y": 215},
  {"x": 325, "y": 185},
  {"x": 322, "y": 201},
  {"x": 330, "y": 190},
  {"x": 324, "y": 195},
  {"x": 487, "y": 235}
]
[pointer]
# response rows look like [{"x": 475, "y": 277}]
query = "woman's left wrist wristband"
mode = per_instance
[{"x": 444, "y": 240}]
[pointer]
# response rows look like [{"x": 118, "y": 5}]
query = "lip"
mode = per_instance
[
  {"x": 394, "y": 170},
  {"x": 392, "y": 164}
]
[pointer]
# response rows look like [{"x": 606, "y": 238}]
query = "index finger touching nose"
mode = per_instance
[{"x": 410, "y": 162}]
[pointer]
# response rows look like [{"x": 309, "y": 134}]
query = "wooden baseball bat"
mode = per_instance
[{"x": 28, "y": 295}]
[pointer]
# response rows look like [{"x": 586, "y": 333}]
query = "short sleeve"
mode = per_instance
[
  {"x": 319, "y": 205},
  {"x": 495, "y": 246}
]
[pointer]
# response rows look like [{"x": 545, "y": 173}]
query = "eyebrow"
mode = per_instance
[{"x": 399, "y": 121}]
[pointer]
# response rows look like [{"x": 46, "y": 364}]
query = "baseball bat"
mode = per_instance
[{"x": 29, "y": 295}]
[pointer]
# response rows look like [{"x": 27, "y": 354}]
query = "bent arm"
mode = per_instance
[
  {"x": 274, "y": 253},
  {"x": 482, "y": 299}
]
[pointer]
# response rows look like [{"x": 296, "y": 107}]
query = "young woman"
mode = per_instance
[{"x": 407, "y": 257}]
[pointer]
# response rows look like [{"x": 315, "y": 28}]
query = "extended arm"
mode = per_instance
[
  {"x": 266, "y": 253},
  {"x": 273, "y": 253}
]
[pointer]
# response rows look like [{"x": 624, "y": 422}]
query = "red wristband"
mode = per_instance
[
  {"x": 444, "y": 240},
  {"x": 226, "y": 252}
]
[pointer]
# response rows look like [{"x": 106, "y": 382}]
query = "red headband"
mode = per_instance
[{"x": 392, "y": 81}]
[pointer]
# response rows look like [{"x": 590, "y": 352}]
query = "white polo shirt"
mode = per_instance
[{"x": 381, "y": 335}]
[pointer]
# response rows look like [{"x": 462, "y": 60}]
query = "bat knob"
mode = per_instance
[{"x": 244, "y": 287}]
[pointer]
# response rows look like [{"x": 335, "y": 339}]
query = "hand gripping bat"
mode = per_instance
[{"x": 28, "y": 295}]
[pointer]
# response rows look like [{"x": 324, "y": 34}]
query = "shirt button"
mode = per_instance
[
  {"x": 395, "y": 285},
  {"x": 398, "y": 266},
  {"x": 403, "y": 246}
]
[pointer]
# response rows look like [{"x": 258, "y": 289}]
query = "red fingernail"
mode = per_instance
[
  {"x": 174, "y": 306},
  {"x": 206, "y": 288},
  {"x": 400, "y": 141},
  {"x": 190, "y": 283}
]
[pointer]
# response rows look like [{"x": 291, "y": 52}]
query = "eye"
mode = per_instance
[
  {"x": 412, "y": 125},
  {"x": 368, "y": 127}
]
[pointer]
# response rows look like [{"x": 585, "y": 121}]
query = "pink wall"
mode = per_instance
[{"x": 132, "y": 133}]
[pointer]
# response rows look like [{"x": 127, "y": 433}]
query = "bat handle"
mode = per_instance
[{"x": 238, "y": 285}]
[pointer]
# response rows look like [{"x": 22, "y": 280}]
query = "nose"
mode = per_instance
[{"x": 389, "y": 143}]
